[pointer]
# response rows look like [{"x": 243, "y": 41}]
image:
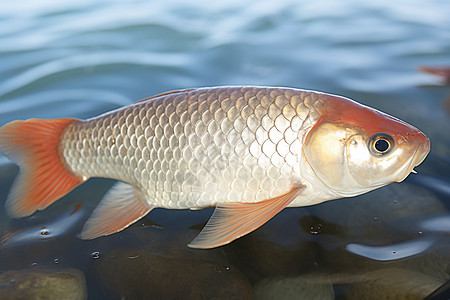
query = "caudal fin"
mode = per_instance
[{"x": 43, "y": 177}]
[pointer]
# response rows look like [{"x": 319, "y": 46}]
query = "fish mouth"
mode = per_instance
[{"x": 417, "y": 158}]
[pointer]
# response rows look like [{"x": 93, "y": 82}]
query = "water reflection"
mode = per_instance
[
  {"x": 438, "y": 184},
  {"x": 437, "y": 224},
  {"x": 43, "y": 232},
  {"x": 391, "y": 252}
]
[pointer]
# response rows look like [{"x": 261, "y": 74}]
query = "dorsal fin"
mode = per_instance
[{"x": 164, "y": 94}]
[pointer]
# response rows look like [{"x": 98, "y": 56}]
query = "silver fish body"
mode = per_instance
[{"x": 201, "y": 147}]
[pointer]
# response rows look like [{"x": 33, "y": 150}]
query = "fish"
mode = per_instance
[
  {"x": 248, "y": 151},
  {"x": 443, "y": 73}
]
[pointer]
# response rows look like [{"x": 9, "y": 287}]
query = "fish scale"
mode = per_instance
[{"x": 196, "y": 149}]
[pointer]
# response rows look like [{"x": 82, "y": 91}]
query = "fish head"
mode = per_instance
[{"x": 353, "y": 149}]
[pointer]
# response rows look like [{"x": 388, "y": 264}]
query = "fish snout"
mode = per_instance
[
  {"x": 418, "y": 145},
  {"x": 424, "y": 146}
]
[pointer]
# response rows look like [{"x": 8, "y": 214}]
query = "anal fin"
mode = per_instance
[
  {"x": 121, "y": 206},
  {"x": 233, "y": 220}
]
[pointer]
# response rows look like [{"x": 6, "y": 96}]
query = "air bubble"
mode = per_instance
[
  {"x": 95, "y": 255},
  {"x": 45, "y": 232},
  {"x": 315, "y": 229},
  {"x": 56, "y": 261}
]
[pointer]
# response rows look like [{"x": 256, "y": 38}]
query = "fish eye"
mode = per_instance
[{"x": 381, "y": 144}]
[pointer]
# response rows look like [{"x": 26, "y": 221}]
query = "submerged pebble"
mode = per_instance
[
  {"x": 154, "y": 276},
  {"x": 394, "y": 284},
  {"x": 292, "y": 289},
  {"x": 274, "y": 251},
  {"x": 67, "y": 284}
]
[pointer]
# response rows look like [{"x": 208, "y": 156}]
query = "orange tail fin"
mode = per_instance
[{"x": 43, "y": 177}]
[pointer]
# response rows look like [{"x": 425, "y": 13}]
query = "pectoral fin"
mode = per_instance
[
  {"x": 233, "y": 220},
  {"x": 120, "y": 207}
]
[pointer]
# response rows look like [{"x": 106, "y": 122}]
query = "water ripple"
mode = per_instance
[
  {"x": 391, "y": 252},
  {"x": 437, "y": 224},
  {"x": 52, "y": 103},
  {"x": 64, "y": 223},
  {"x": 91, "y": 60}
]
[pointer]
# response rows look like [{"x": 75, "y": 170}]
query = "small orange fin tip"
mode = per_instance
[
  {"x": 233, "y": 220},
  {"x": 121, "y": 206},
  {"x": 43, "y": 177},
  {"x": 439, "y": 71}
]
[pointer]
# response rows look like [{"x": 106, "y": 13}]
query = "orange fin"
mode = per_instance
[
  {"x": 43, "y": 177},
  {"x": 121, "y": 206},
  {"x": 163, "y": 94},
  {"x": 439, "y": 71},
  {"x": 233, "y": 220}
]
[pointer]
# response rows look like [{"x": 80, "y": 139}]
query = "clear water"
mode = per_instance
[{"x": 82, "y": 58}]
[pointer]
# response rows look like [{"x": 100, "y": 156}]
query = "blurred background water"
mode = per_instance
[{"x": 82, "y": 58}]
